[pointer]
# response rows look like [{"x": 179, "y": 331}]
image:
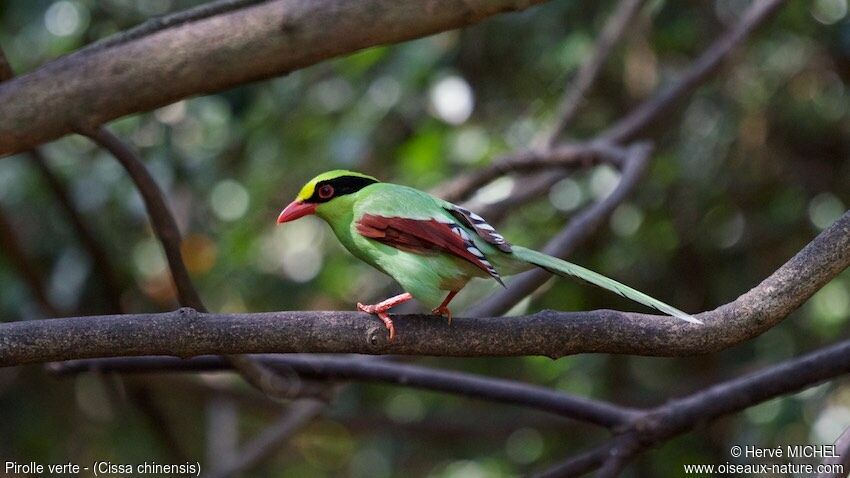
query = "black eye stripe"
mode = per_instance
[{"x": 342, "y": 185}]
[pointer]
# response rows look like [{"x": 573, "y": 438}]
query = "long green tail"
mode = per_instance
[{"x": 564, "y": 268}]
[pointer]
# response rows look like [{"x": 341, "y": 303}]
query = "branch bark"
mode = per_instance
[
  {"x": 255, "y": 40},
  {"x": 188, "y": 333}
]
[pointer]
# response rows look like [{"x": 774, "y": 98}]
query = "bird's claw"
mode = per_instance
[
  {"x": 382, "y": 314},
  {"x": 443, "y": 311}
]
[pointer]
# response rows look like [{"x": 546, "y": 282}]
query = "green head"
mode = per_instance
[{"x": 326, "y": 195}]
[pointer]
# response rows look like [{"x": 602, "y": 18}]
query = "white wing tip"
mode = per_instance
[{"x": 689, "y": 318}]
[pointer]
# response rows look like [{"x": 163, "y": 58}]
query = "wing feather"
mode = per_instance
[
  {"x": 425, "y": 236},
  {"x": 480, "y": 226}
]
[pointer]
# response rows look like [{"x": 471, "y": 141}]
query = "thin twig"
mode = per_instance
[
  {"x": 27, "y": 269},
  {"x": 573, "y": 99},
  {"x": 578, "y": 229},
  {"x": 100, "y": 259},
  {"x": 629, "y": 126},
  {"x": 263, "y": 446},
  {"x": 580, "y": 464},
  {"x": 162, "y": 220},
  {"x": 564, "y": 157},
  {"x": 166, "y": 230}
]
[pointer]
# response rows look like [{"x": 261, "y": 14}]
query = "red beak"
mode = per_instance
[{"x": 295, "y": 210}]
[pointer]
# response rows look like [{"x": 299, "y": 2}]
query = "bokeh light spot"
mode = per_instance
[
  {"x": 829, "y": 11},
  {"x": 524, "y": 445},
  {"x": 452, "y": 99},
  {"x": 566, "y": 195},
  {"x": 65, "y": 18},
  {"x": 824, "y": 209},
  {"x": 229, "y": 200}
]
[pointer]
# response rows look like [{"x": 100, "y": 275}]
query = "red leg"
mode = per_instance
[
  {"x": 380, "y": 309},
  {"x": 443, "y": 309}
]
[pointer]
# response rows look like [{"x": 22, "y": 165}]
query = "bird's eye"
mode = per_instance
[{"x": 326, "y": 191}]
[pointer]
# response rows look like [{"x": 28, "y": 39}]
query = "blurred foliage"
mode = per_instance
[{"x": 746, "y": 172}]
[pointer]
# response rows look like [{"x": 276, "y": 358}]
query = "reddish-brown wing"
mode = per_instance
[{"x": 424, "y": 236}]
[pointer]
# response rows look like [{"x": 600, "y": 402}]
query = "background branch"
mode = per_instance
[
  {"x": 166, "y": 230},
  {"x": 630, "y": 126},
  {"x": 27, "y": 269},
  {"x": 573, "y": 99},
  {"x": 637, "y": 430},
  {"x": 842, "y": 458},
  {"x": 648, "y": 112},
  {"x": 565, "y": 157},
  {"x": 162, "y": 220},
  {"x": 348, "y": 368},
  {"x": 680, "y": 415},
  {"x": 576, "y": 231},
  {"x": 273, "y": 437},
  {"x": 100, "y": 259}
]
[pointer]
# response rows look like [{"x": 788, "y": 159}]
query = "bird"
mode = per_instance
[{"x": 430, "y": 246}]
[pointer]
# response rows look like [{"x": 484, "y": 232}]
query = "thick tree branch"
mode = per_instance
[
  {"x": 255, "y": 40},
  {"x": 188, "y": 333}
]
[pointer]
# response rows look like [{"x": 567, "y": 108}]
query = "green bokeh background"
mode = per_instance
[{"x": 747, "y": 171}]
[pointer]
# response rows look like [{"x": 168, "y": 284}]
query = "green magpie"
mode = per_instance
[{"x": 431, "y": 247}]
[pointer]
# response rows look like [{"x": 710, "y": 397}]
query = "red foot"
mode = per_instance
[
  {"x": 443, "y": 309},
  {"x": 380, "y": 309}
]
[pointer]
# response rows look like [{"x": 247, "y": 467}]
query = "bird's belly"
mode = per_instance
[{"x": 428, "y": 277}]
